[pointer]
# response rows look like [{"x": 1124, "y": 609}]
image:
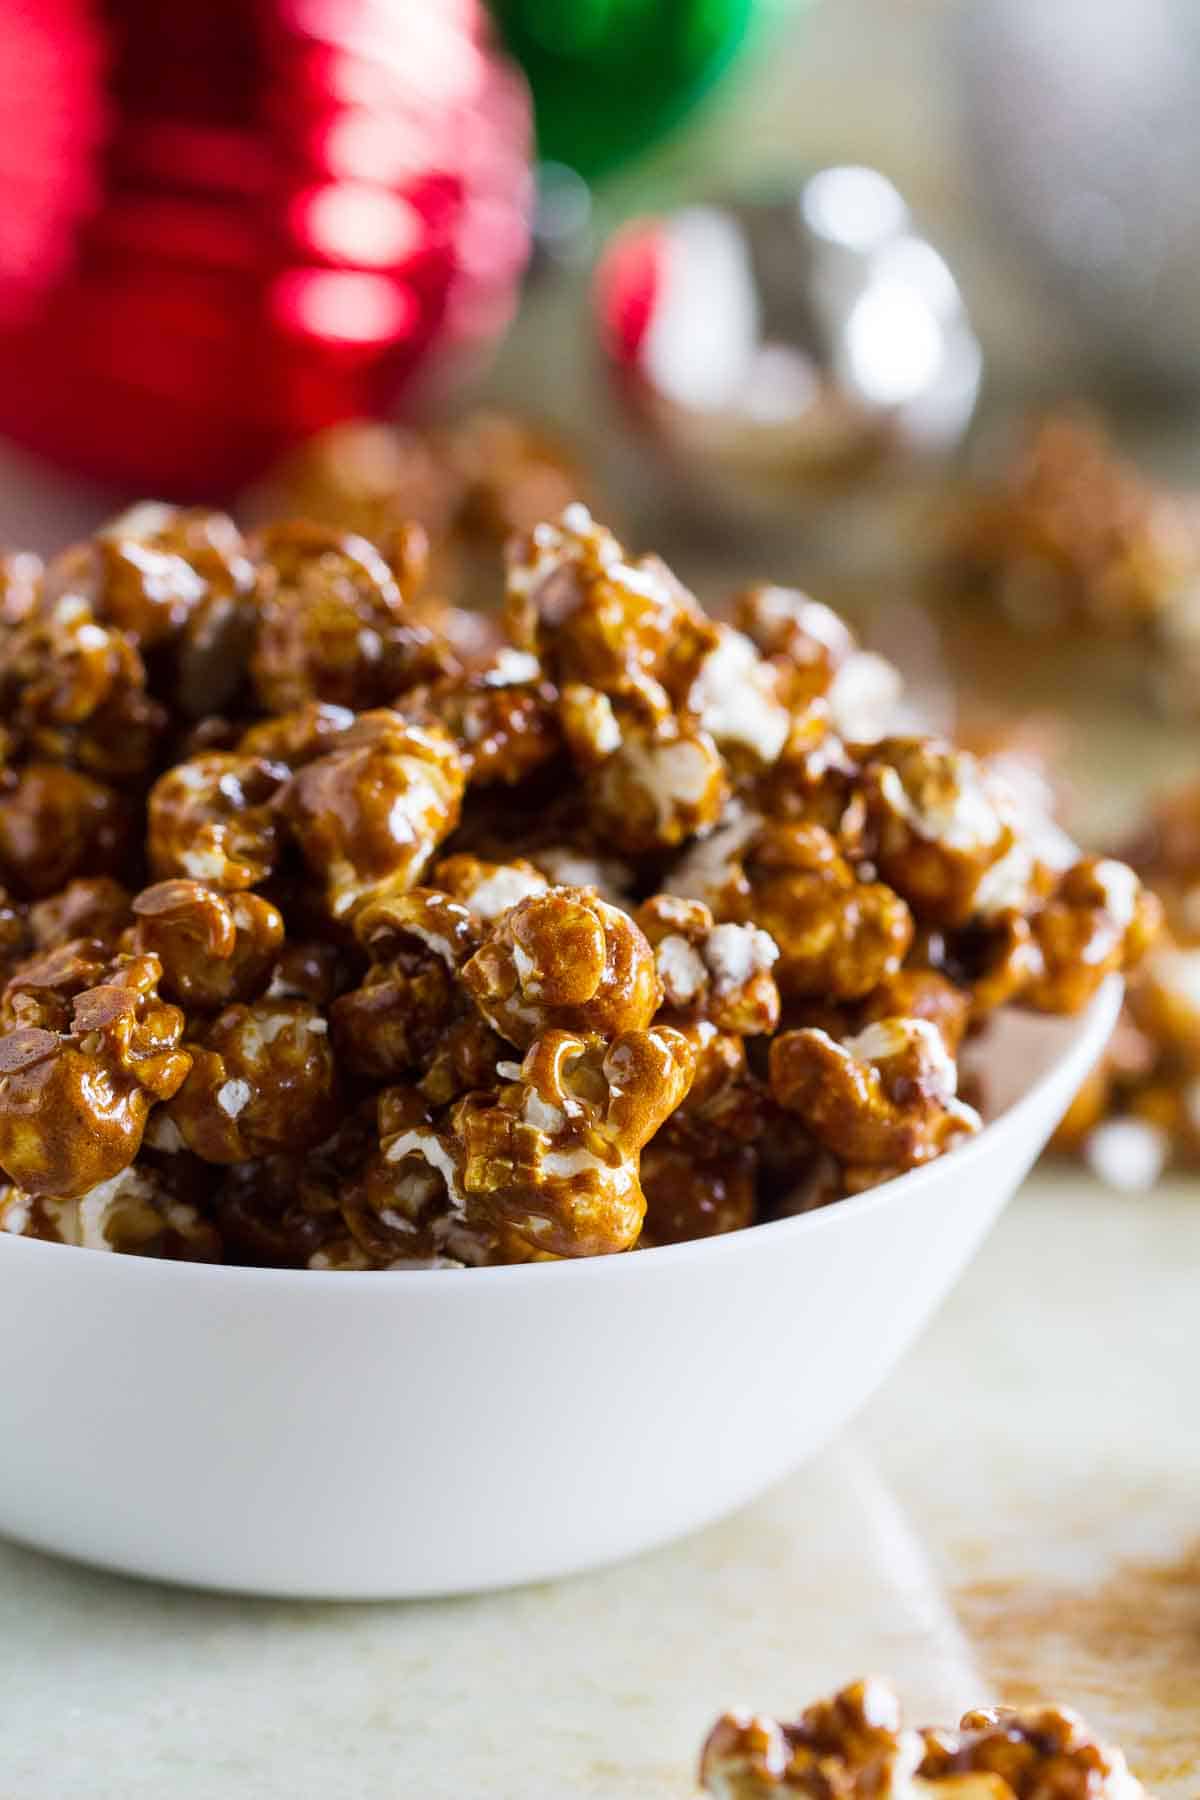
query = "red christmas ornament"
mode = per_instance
[{"x": 229, "y": 223}]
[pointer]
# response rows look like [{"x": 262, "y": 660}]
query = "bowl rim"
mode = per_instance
[{"x": 1093, "y": 1026}]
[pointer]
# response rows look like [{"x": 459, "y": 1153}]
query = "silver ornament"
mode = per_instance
[
  {"x": 1081, "y": 125},
  {"x": 777, "y": 353}
]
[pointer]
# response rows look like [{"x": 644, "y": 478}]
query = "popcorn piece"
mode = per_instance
[
  {"x": 1099, "y": 919},
  {"x": 625, "y": 628},
  {"x": 514, "y": 472},
  {"x": 658, "y": 788},
  {"x": 807, "y": 642},
  {"x": 717, "y": 972},
  {"x": 56, "y": 823},
  {"x": 214, "y": 948},
  {"x": 882, "y": 1102},
  {"x": 1072, "y": 534},
  {"x": 136, "y": 1213},
  {"x": 406, "y": 1209},
  {"x": 836, "y": 935},
  {"x": 333, "y": 623},
  {"x": 398, "y": 1018},
  {"x": 42, "y": 988},
  {"x": 504, "y": 720},
  {"x": 94, "y": 907},
  {"x": 488, "y": 889},
  {"x": 938, "y": 825},
  {"x": 856, "y": 1746},
  {"x": 373, "y": 809},
  {"x": 213, "y": 819},
  {"x": 853, "y": 1745},
  {"x": 553, "y": 1156},
  {"x": 364, "y": 477},
  {"x": 285, "y": 1209},
  {"x": 736, "y": 699},
  {"x": 693, "y": 1194},
  {"x": 73, "y": 690},
  {"x": 1031, "y": 1751},
  {"x": 75, "y": 1097},
  {"x": 993, "y": 961},
  {"x": 568, "y": 960},
  {"x": 294, "y": 738},
  {"x": 262, "y": 1080},
  {"x": 180, "y": 585}
]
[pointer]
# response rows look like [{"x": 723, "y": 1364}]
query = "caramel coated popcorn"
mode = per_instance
[
  {"x": 855, "y": 1746},
  {"x": 883, "y": 1100},
  {"x": 371, "y": 811},
  {"x": 262, "y": 1079},
  {"x": 320, "y": 947},
  {"x": 564, "y": 959},
  {"x": 1139, "y": 1112},
  {"x": 469, "y": 485},
  {"x": 212, "y": 819},
  {"x": 334, "y": 623},
  {"x": 178, "y": 584},
  {"x": 1070, "y": 534},
  {"x": 77, "y": 1085}
]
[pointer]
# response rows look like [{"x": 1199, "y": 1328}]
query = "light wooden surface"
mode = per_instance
[{"x": 1017, "y": 1513}]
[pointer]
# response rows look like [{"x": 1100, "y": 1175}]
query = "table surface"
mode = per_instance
[{"x": 1017, "y": 1513}]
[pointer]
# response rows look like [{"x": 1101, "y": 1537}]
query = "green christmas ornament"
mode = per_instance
[{"x": 609, "y": 77}]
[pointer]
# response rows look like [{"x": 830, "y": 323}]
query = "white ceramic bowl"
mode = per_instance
[{"x": 426, "y": 1432}]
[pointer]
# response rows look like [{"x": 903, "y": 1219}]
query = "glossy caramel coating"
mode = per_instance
[
  {"x": 75, "y": 1094},
  {"x": 372, "y": 810},
  {"x": 138, "y": 1212},
  {"x": 74, "y": 690},
  {"x": 421, "y": 958},
  {"x": 214, "y": 948},
  {"x": 837, "y": 935},
  {"x": 397, "y": 1019},
  {"x": 294, "y": 738},
  {"x": 57, "y": 823},
  {"x": 504, "y": 718},
  {"x": 333, "y": 623},
  {"x": 91, "y": 906},
  {"x": 1098, "y": 920},
  {"x": 693, "y": 1194},
  {"x": 262, "y": 1080},
  {"x": 214, "y": 819},
  {"x": 178, "y": 583},
  {"x": 881, "y": 1102},
  {"x": 283, "y": 1209},
  {"x": 553, "y": 1155},
  {"x": 855, "y": 1746},
  {"x": 564, "y": 960},
  {"x": 626, "y": 628}
]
